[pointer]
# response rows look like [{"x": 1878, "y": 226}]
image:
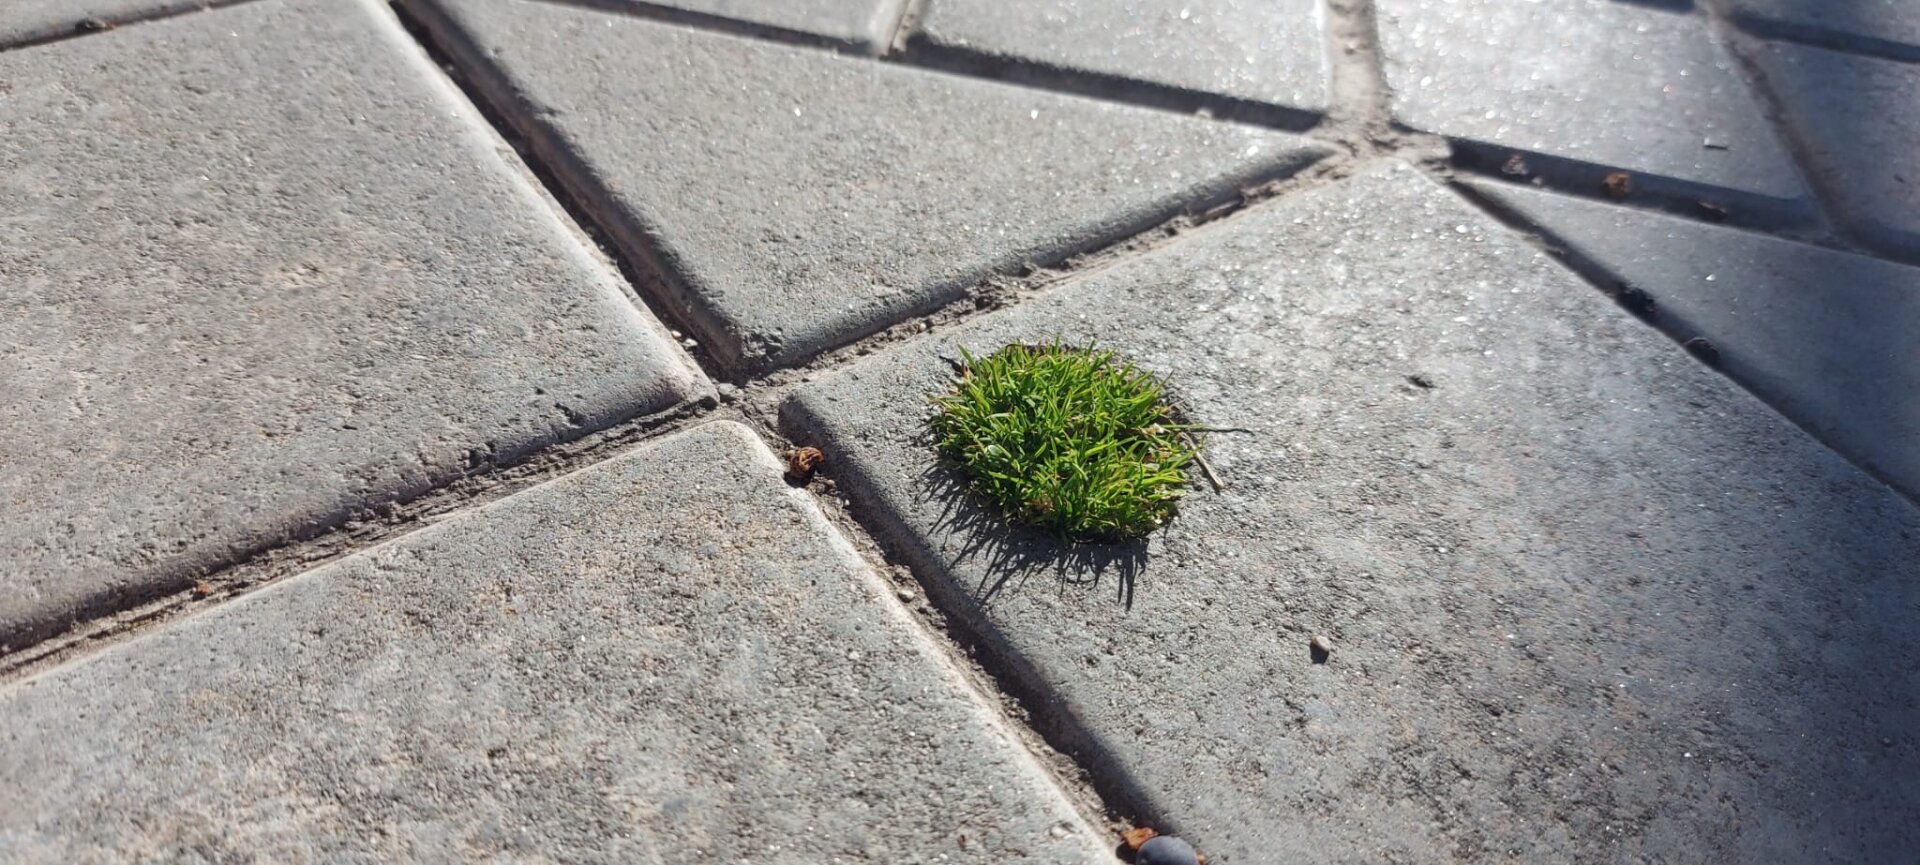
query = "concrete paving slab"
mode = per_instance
[
  {"x": 1824, "y": 336},
  {"x": 1589, "y": 87},
  {"x": 23, "y": 21},
  {"x": 1886, "y": 27},
  {"x": 1588, "y": 601},
  {"x": 262, "y": 271},
  {"x": 669, "y": 657},
  {"x": 1273, "y": 52},
  {"x": 795, "y": 200},
  {"x": 1858, "y": 119},
  {"x": 862, "y": 25}
]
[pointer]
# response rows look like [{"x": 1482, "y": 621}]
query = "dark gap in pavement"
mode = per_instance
[
  {"x": 1878, "y": 241},
  {"x": 1681, "y": 6},
  {"x": 925, "y": 54},
  {"x": 1642, "y": 302},
  {"x": 717, "y": 24},
  {"x": 1684, "y": 198},
  {"x": 89, "y": 25},
  {"x": 1836, "y": 39},
  {"x": 1010, "y": 550},
  {"x": 649, "y": 281}
]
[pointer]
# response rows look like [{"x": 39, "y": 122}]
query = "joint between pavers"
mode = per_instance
[
  {"x": 1003, "y": 290},
  {"x": 94, "y": 25},
  {"x": 676, "y": 16},
  {"x": 650, "y": 282},
  {"x": 924, "y": 53},
  {"x": 1863, "y": 235},
  {"x": 906, "y": 23},
  {"x": 370, "y": 526},
  {"x": 1772, "y": 30},
  {"x": 1670, "y": 195},
  {"x": 1356, "y": 68},
  {"x": 1633, "y": 299},
  {"x": 958, "y": 620}
]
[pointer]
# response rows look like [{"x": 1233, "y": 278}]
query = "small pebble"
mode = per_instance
[
  {"x": 1321, "y": 644},
  {"x": 904, "y": 593},
  {"x": 1703, "y": 349},
  {"x": 1617, "y": 185},
  {"x": 1166, "y": 850}
]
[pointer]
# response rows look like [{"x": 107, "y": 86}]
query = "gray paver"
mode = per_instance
[
  {"x": 1858, "y": 119},
  {"x": 670, "y": 657},
  {"x": 866, "y": 25},
  {"x": 1590, "y": 601},
  {"x": 262, "y": 272},
  {"x": 799, "y": 199},
  {"x": 1824, "y": 336},
  {"x": 1890, "y": 27},
  {"x": 35, "y": 20},
  {"x": 1267, "y": 52},
  {"x": 1605, "y": 84}
]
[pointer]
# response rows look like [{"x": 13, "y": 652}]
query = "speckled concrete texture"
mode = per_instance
[
  {"x": 669, "y": 657},
  {"x": 1589, "y": 601},
  {"x": 794, "y": 200},
  {"x": 1270, "y": 51},
  {"x": 1607, "y": 85},
  {"x": 1858, "y": 120},
  {"x": 23, "y": 21},
  {"x": 263, "y": 272},
  {"x": 1822, "y": 335}
]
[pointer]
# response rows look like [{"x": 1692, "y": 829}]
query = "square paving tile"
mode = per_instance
[
  {"x": 668, "y": 657},
  {"x": 261, "y": 271},
  {"x": 1587, "y": 87},
  {"x": 1589, "y": 601},
  {"x": 792, "y": 199}
]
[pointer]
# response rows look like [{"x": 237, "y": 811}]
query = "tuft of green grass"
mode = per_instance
[{"x": 1075, "y": 441}]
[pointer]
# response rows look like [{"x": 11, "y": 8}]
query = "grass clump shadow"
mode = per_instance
[{"x": 1075, "y": 442}]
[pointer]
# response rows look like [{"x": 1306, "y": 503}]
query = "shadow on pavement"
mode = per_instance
[{"x": 1010, "y": 555}]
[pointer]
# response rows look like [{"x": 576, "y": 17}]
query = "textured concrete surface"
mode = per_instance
[
  {"x": 36, "y": 20},
  {"x": 1589, "y": 600},
  {"x": 1824, "y": 336},
  {"x": 866, "y": 25},
  {"x": 797, "y": 199},
  {"x": 1858, "y": 119},
  {"x": 1271, "y": 52},
  {"x": 670, "y": 657},
  {"x": 1889, "y": 27},
  {"x": 1610, "y": 85},
  {"x": 261, "y": 271}
]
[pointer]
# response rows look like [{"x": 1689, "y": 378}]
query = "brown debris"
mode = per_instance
[
  {"x": 1618, "y": 185},
  {"x": 1137, "y": 836},
  {"x": 801, "y": 463},
  {"x": 202, "y": 589},
  {"x": 1515, "y": 166}
]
